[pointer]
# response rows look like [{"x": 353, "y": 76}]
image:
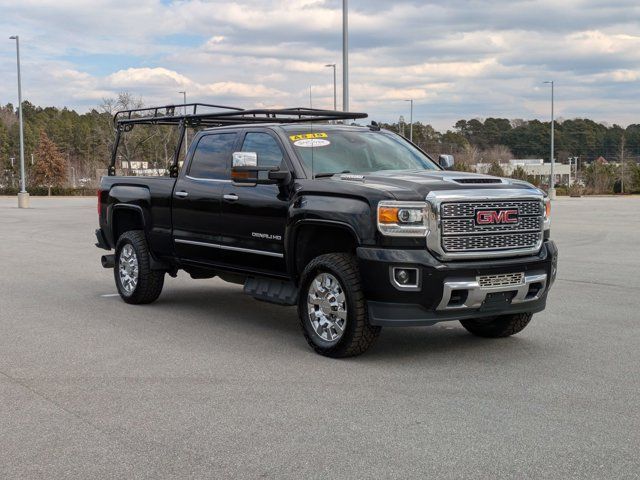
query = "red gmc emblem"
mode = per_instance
[{"x": 493, "y": 217}]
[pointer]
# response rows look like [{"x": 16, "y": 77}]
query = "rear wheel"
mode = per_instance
[
  {"x": 137, "y": 283},
  {"x": 332, "y": 308},
  {"x": 498, "y": 327}
]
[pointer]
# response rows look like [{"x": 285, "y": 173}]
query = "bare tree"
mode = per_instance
[
  {"x": 497, "y": 153},
  {"x": 130, "y": 142}
]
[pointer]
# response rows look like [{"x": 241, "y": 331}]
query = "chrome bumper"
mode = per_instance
[{"x": 469, "y": 294}]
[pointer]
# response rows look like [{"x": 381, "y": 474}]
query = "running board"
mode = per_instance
[{"x": 272, "y": 291}]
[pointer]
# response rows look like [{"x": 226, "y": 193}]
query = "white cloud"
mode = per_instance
[
  {"x": 456, "y": 59},
  {"x": 147, "y": 77}
]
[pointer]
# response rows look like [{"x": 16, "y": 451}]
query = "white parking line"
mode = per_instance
[{"x": 110, "y": 295}]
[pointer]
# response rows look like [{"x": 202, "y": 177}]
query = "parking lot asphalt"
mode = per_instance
[{"x": 209, "y": 383}]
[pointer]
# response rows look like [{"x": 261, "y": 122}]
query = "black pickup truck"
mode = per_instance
[{"x": 355, "y": 225}]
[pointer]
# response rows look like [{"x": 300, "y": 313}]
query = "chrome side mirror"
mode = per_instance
[
  {"x": 446, "y": 161},
  {"x": 245, "y": 159},
  {"x": 245, "y": 170}
]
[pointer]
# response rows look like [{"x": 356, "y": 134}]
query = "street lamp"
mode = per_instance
[
  {"x": 186, "y": 148},
  {"x": 335, "y": 101},
  {"x": 345, "y": 55},
  {"x": 552, "y": 188},
  {"x": 23, "y": 196},
  {"x": 410, "y": 121}
]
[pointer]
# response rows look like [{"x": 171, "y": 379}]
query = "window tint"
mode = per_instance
[
  {"x": 267, "y": 148},
  {"x": 210, "y": 160}
]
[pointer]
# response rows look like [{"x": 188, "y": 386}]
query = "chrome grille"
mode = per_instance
[
  {"x": 452, "y": 226},
  {"x": 467, "y": 209},
  {"x": 490, "y": 242},
  {"x": 500, "y": 280},
  {"x": 460, "y": 233}
]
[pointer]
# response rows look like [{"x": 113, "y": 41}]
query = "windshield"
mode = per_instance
[{"x": 356, "y": 151}]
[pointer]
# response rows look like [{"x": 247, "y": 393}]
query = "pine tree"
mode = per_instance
[
  {"x": 50, "y": 169},
  {"x": 495, "y": 169}
]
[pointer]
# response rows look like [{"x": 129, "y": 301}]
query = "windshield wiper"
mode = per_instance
[{"x": 329, "y": 174}]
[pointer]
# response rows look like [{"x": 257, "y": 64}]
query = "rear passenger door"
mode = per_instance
[
  {"x": 197, "y": 198},
  {"x": 255, "y": 216}
]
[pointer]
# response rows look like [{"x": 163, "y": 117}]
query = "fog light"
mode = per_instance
[
  {"x": 405, "y": 278},
  {"x": 402, "y": 276}
]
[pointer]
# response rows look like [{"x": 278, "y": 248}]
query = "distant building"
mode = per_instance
[{"x": 536, "y": 167}]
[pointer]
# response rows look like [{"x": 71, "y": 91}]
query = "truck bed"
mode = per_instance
[{"x": 149, "y": 195}]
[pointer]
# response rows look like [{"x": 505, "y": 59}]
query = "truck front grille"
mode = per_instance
[
  {"x": 467, "y": 225},
  {"x": 467, "y": 209},
  {"x": 462, "y": 232}
]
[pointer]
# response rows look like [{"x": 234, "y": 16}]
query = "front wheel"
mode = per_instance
[
  {"x": 137, "y": 283},
  {"x": 498, "y": 327},
  {"x": 332, "y": 308}
]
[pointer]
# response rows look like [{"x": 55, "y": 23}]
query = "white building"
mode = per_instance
[{"x": 535, "y": 167}]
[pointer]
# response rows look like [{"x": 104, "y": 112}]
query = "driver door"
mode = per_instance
[{"x": 254, "y": 216}]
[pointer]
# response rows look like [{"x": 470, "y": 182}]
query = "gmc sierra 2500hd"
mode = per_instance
[{"x": 355, "y": 225}]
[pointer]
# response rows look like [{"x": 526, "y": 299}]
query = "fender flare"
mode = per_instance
[
  {"x": 292, "y": 236},
  {"x": 125, "y": 206}
]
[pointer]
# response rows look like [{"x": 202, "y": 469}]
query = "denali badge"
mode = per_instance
[
  {"x": 266, "y": 236},
  {"x": 493, "y": 217}
]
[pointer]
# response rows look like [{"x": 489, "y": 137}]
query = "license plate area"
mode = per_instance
[{"x": 497, "y": 300}]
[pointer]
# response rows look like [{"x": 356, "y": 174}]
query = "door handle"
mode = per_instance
[
  {"x": 182, "y": 194},
  {"x": 231, "y": 197}
]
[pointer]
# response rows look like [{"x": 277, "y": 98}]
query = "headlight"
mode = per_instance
[
  {"x": 402, "y": 219},
  {"x": 547, "y": 213}
]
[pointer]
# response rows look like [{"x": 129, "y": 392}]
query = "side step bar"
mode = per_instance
[{"x": 272, "y": 291}]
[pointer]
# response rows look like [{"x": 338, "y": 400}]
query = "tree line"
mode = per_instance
[
  {"x": 583, "y": 138},
  {"x": 63, "y": 147}
]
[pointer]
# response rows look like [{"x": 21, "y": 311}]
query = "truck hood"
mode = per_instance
[{"x": 417, "y": 184}]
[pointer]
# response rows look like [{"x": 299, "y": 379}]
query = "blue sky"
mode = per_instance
[{"x": 456, "y": 59}]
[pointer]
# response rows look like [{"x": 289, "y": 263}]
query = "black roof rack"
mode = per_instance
[{"x": 208, "y": 115}]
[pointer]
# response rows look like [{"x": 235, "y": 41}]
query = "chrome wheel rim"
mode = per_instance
[
  {"x": 327, "y": 307},
  {"x": 128, "y": 269}
]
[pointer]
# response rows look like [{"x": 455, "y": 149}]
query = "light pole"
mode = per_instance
[
  {"x": 335, "y": 100},
  {"x": 410, "y": 121},
  {"x": 345, "y": 55},
  {"x": 23, "y": 196},
  {"x": 186, "y": 148},
  {"x": 552, "y": 187}
]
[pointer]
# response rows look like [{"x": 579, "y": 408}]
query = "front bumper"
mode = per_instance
[{"x": 450, "y": 291}]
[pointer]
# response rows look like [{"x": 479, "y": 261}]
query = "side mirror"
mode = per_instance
[
  {"x": 245, "y": 170},
  {"x": 245, "y": 159},
  {"x": 446, "y": 161}
]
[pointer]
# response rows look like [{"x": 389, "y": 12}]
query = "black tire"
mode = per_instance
[
  {"x": 498, "y": 327},
  {"x": 150, "y": 282},
  {"x": 358, "y": 334}
]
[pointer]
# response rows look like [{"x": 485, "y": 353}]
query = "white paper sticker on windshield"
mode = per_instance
[{"x": 312, "y": 142}]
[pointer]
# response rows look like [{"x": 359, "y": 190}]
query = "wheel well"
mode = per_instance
[
  {"x": 124, "y": 220},
  {"x": 315, "y": 240}
]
